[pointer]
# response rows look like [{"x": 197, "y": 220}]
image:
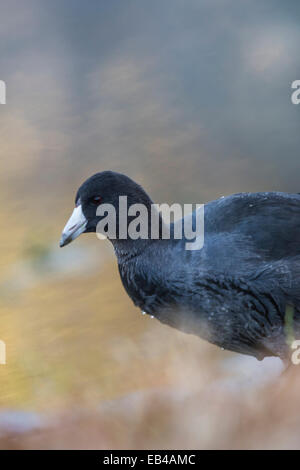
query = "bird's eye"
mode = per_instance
[{"x": 96, "y": 200}]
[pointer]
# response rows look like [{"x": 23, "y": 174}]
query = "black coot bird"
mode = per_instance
[{"x": 237, "y": 291}]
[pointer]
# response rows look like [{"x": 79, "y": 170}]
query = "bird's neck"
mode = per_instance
[
  {"x": 126, "y": 250},
  {"x": 138, "y": 232}
]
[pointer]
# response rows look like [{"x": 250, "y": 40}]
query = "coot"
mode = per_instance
[{"x": 237, "y": 291}]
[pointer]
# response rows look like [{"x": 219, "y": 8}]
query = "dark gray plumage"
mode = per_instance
[{"x": 236, "y": 290}]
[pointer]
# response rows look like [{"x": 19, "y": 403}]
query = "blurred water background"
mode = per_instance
[{"x": 192, "y": 100}]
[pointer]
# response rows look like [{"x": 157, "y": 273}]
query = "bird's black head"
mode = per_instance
[{"x": 102, "y": 188}]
